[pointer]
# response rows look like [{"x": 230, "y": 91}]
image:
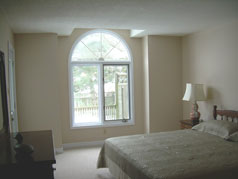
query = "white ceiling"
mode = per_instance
[{"x": 164, "y": 17}]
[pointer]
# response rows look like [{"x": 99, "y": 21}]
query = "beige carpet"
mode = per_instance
[{"x": 80, "y": 163}]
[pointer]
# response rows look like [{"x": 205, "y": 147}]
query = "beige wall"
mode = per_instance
[
  {"x": 211, "y": 58},
  {"x": 37, "y": 82},
  {"x": 165, "y": 79},
  {"x": 43, "y": 86},
  {"x": 6, "y": 36},
  {"x": 43, "y": 93},
  {"x": 94, "y": 134}
]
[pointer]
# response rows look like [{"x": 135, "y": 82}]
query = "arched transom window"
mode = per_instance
[
  {"x": 101, "y": 46},
  {"x": 100, "y": 80}
]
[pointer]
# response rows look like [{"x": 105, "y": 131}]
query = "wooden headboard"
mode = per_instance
[{"x": 225, "y": 114}]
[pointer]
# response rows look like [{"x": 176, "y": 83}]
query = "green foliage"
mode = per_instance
[
  {"x": 86, "y": 77},
  {"x": 85, "y": 80}
]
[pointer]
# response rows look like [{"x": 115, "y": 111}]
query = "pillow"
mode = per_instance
[
  {"x": 220, "y": 128},
  {"x": 233, "y": 137}
]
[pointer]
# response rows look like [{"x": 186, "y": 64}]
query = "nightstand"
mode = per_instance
[{"x": 188, "y": 123}]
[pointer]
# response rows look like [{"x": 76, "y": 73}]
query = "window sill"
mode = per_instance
[{"x": 106, "y": 124}]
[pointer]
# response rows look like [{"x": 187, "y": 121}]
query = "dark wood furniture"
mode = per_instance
[
  {"x": 188, "y": 123},
  {"x": 37, "y": 166},
  {"x": 225, "y": 114},
  {"x": 4, "y": 122}
]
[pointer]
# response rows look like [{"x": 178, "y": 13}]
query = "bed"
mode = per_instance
[{"x": 182, "y": 154}]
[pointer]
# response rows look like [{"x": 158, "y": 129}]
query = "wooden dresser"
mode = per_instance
[{"x": 40, "y": 165}]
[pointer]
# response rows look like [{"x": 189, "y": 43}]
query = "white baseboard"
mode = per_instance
[
  {"x": 59, "y": 150},
  {"x": 83, "y": 144}
]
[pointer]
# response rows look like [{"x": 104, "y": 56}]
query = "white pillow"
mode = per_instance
[
  {"x": 233, "y": 137},
  {"x": 220, "y": 128}
]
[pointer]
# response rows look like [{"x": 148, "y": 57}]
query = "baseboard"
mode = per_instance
[
  {"x": 59, "y": 150},
  {"x": 83, "y": 144}
]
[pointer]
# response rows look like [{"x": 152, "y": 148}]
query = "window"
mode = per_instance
[{"x": 100, "y": 70}]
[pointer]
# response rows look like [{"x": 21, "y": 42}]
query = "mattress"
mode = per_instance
[{"x": 178, "y": 154}]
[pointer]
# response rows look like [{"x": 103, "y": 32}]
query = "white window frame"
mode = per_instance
[{"x": 103, "y": 122}]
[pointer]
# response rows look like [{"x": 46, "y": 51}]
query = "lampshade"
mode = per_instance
[{"x": 194, "y": 92}]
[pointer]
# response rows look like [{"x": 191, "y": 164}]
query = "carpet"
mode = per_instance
[{"x": 80, "y": 163}]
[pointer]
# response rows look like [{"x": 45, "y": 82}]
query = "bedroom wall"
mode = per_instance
[
  {"x": 165, "y": 79},
  {"x": 211, "y": 57},
  {"x": 6, "y": 36},
  {"x": 42, "y": 74},
  {"x": 37, "y": 82},
  {"x": 43, "y": 93},
  {"x": 93, "y": 134}
]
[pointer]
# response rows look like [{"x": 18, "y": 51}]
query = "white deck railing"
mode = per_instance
[{"x": 92, "y": 113}]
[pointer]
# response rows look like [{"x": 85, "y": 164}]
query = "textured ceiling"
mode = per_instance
[{"x": 165, "y": 17}]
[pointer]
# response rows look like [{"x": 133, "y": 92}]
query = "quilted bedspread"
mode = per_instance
[{"x": 182, "y": 154}]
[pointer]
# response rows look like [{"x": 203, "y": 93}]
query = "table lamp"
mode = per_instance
[{"x": 194, "y": 93}]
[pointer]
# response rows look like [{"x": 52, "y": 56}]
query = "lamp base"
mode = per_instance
[
  {"x": 195, "y": 115},
  {"x": 195, "y": 121}
]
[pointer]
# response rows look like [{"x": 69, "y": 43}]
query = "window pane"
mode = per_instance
[
  {"x": 119, "y": 53},
  {"x": 93, "y": 42},
  {"x": 82, "y": 53},
  {"x": 100, "y": 46},
  {"x": 85, "y": 94},
  {"x": 116, "y": 92},
  {"x": 108, "y": 43}
]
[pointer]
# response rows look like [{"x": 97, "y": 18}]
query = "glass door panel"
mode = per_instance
[
  {"x": 86, "y": 94},
  {"x": 116, "y": 92}
]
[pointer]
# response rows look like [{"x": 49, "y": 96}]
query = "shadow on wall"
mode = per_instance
[{"x": 213, "y": 98}]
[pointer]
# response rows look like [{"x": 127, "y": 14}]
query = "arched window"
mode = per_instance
[{"x": 100, "y": 70}]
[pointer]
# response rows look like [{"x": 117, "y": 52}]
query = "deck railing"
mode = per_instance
[
  {"x": 86, "y": 108},
  {"x": 93, "y": 112}
]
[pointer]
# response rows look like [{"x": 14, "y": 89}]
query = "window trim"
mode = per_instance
[{"x": 103, "y": 123}]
